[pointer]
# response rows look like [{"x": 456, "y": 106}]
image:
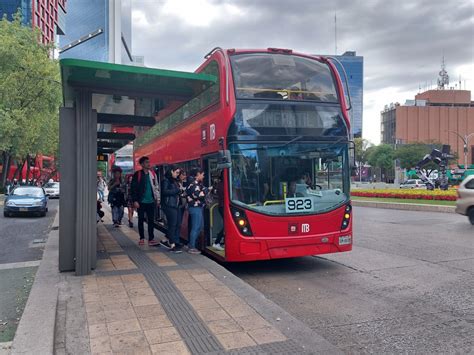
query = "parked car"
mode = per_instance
[
  {"x": 27, "y": 200},
  {"x": 465, "y": 202},
  {"x": 413, "y": 184},
  {"x": 52, "y": 189}
]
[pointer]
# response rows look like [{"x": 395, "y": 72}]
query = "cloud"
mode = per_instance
[{"x": 402, "y": 41}]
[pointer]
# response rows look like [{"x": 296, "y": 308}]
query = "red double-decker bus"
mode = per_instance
[{"x": 276, "y": 125}]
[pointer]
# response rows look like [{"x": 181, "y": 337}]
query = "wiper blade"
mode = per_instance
[{"x": 292, "y": 141}]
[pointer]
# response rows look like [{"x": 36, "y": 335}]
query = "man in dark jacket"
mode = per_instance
[
  {"x": 145, "y": 196},
  {"x": 170, "y": 192}
]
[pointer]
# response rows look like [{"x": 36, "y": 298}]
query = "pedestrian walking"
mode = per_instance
[
  {"x": 170, "y": 192},
  {"x": 196, "y": 194},
  {"x": 116, "y": 196},
  {"x": 145, "y": 196},
  {"x": 129, "y": 199},
  {"x": 182, "y": 183},
  {"x": 101, "y": 187}
]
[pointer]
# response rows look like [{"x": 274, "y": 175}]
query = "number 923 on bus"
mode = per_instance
[{"x": 299, "y": 204}]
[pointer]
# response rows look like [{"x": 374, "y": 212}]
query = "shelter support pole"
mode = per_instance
[{"x": 86, "y": 186}]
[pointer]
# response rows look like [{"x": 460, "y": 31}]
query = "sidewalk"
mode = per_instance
[{"x": 143, "y": 300}]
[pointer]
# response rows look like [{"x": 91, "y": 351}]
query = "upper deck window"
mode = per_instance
[{"x": 282, "y": 77}]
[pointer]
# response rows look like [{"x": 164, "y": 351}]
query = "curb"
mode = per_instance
[
  {"x": 35, "y": 333},
  {"x": 274, "y": 314},
  {"x": 405, "y": 206}
]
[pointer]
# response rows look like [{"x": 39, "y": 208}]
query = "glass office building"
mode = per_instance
[
  {"x": 354, "y": 67},
  {"x": 109, "y": 22}
]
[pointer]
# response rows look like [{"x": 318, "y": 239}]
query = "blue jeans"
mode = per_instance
[
  {"x": 197, "y": 222},
  {"x": 117, "y": 214},
  {"x": 101, "y": 194},
  {"x": 171, "y": 219}
]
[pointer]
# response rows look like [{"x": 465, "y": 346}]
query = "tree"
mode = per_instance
[
  {"x": 30, "y": 94},
  {"x": 381, "y": 156},
  {"x": 361, "y": 148},
  {"x": 411, "y": 154}
]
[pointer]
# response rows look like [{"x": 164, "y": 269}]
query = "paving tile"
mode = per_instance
[
  {"x": 208, "y": 277},
  {"x": 120, "y": 327},
  {"x": 235, "y": 340},
  {"x": 97, "y": 330},
  {"x": 96, "y": 317},
  {"x": 221, "y": 291},
  {"x": 173, "y": 348},
  {"x": 188, "y": 286},
  {"x": 204, "y": 303},
  {"x": 108, "y": 280},
  {"x": 100, "y": 344},
  {"x": 93, "y": 307},
  {"x": 149, "y": 311},
  {"x": 240, "y": 311},
  {"x": 159, "y": 321},
  {"x": 137, "y": 351},
  {"x": 177, "y": 273},
  {"x": 120, "y": 296},
  {"x": 128, "y": 341},
  {"x": 144, "y": 300},
  {"x": 162, "y": 335},
  {"x": 195, "y": 295},
  {"x": 91, "y": 297},
  {"x": 118, "y": 314},
  {"x": 211, "y": 285},
  {"x": 253, "y": 321},
  {"x": 144, "y": 291},
  {"x": 224, "y": 326},
  {"x": 210, "y": 314},
  {"x": 132, "y": 278},
  {"x": 229, "y": 301},
  {"x": 123, "y": 305},
  {"x": 197, "y": 272},
  {"x": 266, "y": 335},
  {"x": 136, "y": 284}
]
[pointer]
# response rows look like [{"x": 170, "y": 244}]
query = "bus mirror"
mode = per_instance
[
  {"x": 352, "y": 159},
  {"x": 224, "y": 161}
]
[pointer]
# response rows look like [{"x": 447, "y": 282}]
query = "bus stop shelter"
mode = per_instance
[{"x": 97, "y": 96}]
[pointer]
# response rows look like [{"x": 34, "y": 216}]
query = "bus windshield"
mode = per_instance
[
  {"x": 289, "y": 178},
  {"x": 282, "y": 77}
]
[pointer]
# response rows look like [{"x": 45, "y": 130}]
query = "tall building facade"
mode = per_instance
[
  {"x": 354, "y": 67},
  {"x": 434, "y": 116},
  {"x": 99, "y": 30},
  {"x": 46, "y": 15}
]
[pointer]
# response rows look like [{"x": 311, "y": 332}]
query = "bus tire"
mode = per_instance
[{"x": 5, "y": 214}]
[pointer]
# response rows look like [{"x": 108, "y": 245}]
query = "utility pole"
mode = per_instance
[{"x": 465, "y": 140}]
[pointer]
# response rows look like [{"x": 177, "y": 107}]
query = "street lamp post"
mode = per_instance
[{"x": 465, "y": 140}]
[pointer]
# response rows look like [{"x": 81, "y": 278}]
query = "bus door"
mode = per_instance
[
  {"x": 160, "y": 219},
  {"x": 213, "y": 222}
]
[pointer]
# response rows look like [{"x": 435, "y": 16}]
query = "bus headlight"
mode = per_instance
[
  {"x": 241, "y": 221},
  {"x": 347, "y": 217}
]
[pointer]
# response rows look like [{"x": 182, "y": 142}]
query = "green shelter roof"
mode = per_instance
[{"x": 100, "y": 77}]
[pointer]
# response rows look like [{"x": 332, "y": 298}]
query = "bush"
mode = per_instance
[{"x": 449, "y": 195}]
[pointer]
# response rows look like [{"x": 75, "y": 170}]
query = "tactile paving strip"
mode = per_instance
[{"x": 192, "y": 329}]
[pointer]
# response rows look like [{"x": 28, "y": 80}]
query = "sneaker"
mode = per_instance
[
  {"x": 116, "y": 225},
  {"x": 130, "y": 224},
  {"x": 166, "y": 244},
  {"x": 218, "y": 247},
  {"x": 153, "y": 243},
  {"x": 176, "y": 250},
  {"x": 193, "y": 251},
  {"x": 141, "y": 242}
]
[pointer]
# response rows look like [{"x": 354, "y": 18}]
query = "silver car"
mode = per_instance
[
  {"x": 465, "y": 202},
  {"x": 413, "y": 184}
]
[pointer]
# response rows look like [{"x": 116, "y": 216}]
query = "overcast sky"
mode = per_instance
[{"x": 402, "y": 41}]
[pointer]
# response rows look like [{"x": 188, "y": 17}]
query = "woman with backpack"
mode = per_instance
[
  {"x": 170, "y": 191},
  {"x": 116, "y": 196}
]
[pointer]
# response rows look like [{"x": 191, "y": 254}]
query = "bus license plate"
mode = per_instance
[
  {"x": 345, "y": 240},
  {"x": 299, "y": 204},
  {"x": 23, "y": 209}
]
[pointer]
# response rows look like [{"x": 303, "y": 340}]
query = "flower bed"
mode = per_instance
[{"x": 449, "y": 195}]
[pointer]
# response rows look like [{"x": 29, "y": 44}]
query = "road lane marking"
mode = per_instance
[{"x": 19, "y": 265}]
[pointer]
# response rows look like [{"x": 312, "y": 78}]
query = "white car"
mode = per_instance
[
  {"x": 413, "y": 184},
  {"x": 52, "y": 189},
  {"x": 465, "y": 202}
]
